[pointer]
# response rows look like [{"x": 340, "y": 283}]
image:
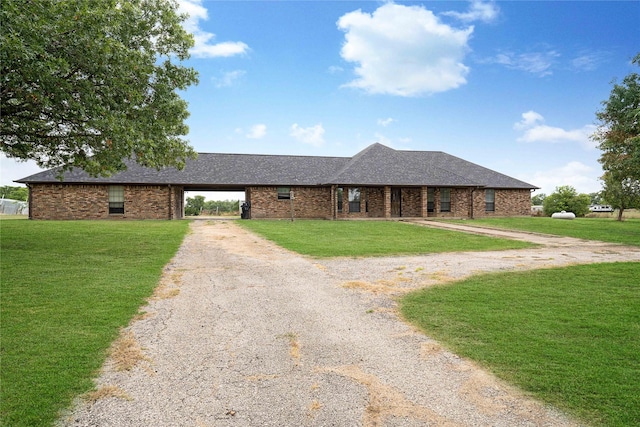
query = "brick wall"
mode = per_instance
[
  {"x": 371, "y": 203},
  {"x": 411, "y": 202},
  {"x": 309, "y": 202},
  {"x": 509, "y": 202},
  {"x": 68, "y": 201},
  {"x": 376, "y": 202},
  {"x": 460, "y": 203}
]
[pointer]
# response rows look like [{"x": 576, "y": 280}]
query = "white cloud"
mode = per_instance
[
  {"x": 204, "y": 46},
  {"x": 478, "y": 11},
  {"x": 313, "y": 135},
  {"x": 588, "y": 61},
  {"x": 385, "y": 122},
  {"x": 529, "y": 119},
  {"x": 334, "y": 69},
  {"x": 534, "y": 130},
  {"x": 539, "y": 63},
  {"x": 228, "y": 78},
  {"x": 575, "y": 174},
  {"x": 404, "y": 50},
  {"x": 257, "y": 131}
]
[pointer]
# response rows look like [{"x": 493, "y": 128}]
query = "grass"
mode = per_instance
[
  {"x": 604, "y": 229},
  {"x": 68, "y": 287},
  {"x": 371, "y": 238},
  {"x": 570, "y": 336}
]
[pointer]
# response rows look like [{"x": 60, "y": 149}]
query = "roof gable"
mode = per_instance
[{"x": 381, "y": 165}]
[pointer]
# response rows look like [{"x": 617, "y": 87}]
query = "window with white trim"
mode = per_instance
[
  {"x": 489, "y": 200},
  {"x": 116, "y": 199},
  {"x": 284, "y": 193},
  {"x": 430, "y": 206},
  {"x": 339, "y": 193},
  {"x": 445, "y": 200},
  {"x": 354, "y": 199}
]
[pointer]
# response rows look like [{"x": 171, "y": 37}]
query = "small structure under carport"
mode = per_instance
[{"x": 378, "y": 182}]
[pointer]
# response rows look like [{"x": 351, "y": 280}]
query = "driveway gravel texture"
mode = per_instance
[{"x": 241, "y": 332}]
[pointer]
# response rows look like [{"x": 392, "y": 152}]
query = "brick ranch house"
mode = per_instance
[{"x": 378, "y": 182}]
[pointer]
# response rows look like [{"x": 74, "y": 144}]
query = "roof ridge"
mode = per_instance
[
  {"x": 275, "y": 155},
  {"x": 357, "y": 157}
]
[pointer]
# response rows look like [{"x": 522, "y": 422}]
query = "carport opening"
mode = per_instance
[{"x": 216, "y": 203}]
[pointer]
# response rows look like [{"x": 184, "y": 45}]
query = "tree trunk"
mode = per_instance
[{"x": 620, "y": 214}]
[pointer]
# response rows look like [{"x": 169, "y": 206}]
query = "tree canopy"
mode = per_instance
[
  {"x": 89, "y": 83},
  {"x": 538, "y": 199},
  {"x": 566, "y": 198},
  {"x": 618, "y": 137}
]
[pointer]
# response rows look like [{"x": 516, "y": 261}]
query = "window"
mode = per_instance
[
  {"x": 445, "y": 200},
  {"x": 354, "y": 199},
  {"x": 116, "y": 199},
  {"x": 284, "y": 193},
  {"x": 339, "y": 194},
  {"x": 430, "y": 200},
  {"x": 490, "y": 200}
]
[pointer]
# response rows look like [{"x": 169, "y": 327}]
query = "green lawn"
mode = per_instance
[
  {"x": 604, "y": 229},
  {"x": 570, "y": 336},
  {"x": 67, "y": 288},
  {"x": 371, "y": 238}
]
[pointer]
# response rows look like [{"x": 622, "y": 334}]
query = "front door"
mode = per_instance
[{"x": 396, "y": 202}]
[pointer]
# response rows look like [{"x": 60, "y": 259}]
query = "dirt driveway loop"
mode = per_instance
[{"x": 241, "y": 332}]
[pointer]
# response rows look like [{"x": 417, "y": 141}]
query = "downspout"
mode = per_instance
[
  {"x": 170, "y": 209},
  {"x": 29, "y": 199}
]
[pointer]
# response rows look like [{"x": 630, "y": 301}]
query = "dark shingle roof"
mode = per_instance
[{"x": 375, "y": 165}]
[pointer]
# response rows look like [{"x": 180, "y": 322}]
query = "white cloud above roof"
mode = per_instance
[
  {"x": 404, "y": 51},
  {"x": 534, "y": 130},
  {"x": 257, "y": 131},
  {"x": 205, "y": 47},
  {"x": 386, "y": 122},
  {"x": 313, "y": 135}
]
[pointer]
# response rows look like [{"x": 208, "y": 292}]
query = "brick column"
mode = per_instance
[
  {"x": 387, "y": 202},
  {"x": 423, "y": 202}
]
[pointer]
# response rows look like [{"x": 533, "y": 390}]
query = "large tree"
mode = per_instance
[
  {"x": 618, "y": 137},
  {"x": 89, "y": 83}
]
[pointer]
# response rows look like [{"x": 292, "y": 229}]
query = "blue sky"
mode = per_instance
[{"x": 513, "y": 86}]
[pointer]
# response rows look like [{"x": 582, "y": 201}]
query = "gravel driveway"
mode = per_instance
[{"x": 244, "y": 333}]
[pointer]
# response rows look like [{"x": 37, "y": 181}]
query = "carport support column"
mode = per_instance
[
  {"x": 423, "y": 202},
  {"x": 387, "y": 202}
]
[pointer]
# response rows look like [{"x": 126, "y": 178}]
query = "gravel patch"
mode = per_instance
[{"x": 244, "y": 333}]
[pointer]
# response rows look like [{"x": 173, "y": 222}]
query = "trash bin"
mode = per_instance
[{"x": 246, "y": 210}]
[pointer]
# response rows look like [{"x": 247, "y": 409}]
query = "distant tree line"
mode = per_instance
[
  {"x": 198, "y": 206},
  {"x": 14, "y": 193},
  {"x": 566, "y": 198}
]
